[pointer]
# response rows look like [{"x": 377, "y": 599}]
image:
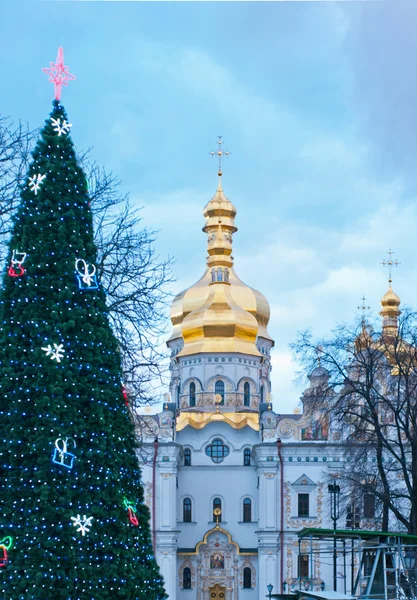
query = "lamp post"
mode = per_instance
[
  {"x": 334, "y": 491},
  {"x": 410, "y": 559},
  {"x": 270, "y": 587}
]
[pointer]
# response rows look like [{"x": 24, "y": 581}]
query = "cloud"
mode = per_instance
[{"x": 381, "y": 45}]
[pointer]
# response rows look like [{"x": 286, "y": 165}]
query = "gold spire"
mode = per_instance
[
  {"x": 220, "y": 227},
  {"x": 390, "y": 301}
]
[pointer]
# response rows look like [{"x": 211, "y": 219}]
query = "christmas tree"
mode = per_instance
[{"x": 73, "y": 524}]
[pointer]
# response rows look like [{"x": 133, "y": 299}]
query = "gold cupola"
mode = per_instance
[
  {"x": 220, "y": 313},
  {"x": 390, "y": 311}
]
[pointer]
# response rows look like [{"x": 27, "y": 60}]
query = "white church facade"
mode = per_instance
[{"x": 229, "y": 482}]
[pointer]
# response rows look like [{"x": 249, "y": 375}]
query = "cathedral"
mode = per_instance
[{"x": 229, "y": 481}]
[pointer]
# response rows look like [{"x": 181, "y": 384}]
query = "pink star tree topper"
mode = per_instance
[{"x": 58, "y": 73}]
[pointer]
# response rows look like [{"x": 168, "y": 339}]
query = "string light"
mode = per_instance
[{"x": 80, "y": 393}]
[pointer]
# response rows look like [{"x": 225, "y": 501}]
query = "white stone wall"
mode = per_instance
[{"x": 231, "y": 481}]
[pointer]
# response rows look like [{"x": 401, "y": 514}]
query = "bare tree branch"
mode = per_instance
[{"x": 373, "y": 377}]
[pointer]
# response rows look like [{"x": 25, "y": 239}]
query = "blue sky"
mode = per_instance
[{"x": 315, "y": 100}]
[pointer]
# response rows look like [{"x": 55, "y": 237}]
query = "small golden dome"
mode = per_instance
[
  {"x": 390, "y": 311},
  {"x": 364, "y": 340},
  {"x": 220, "y": 313},
  {"x": 390, "y": 299}
]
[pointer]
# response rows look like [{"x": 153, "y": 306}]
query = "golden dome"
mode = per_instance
[
  {"x": 390, "y": 300},
  {"x": 364, "y": 340},
  {"x": 220, "y": 313},
  {"x": 390, "y": 311}
]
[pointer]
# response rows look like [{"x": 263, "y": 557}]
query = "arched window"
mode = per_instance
[
  {"x": 178, "y": 395},
  {"x": 262, "y": 393},
  {"x": 219, "y": 274},
  {"x": 247, "y": 510},
  {"x": 213, "y": 275},
  {"x": 192, "y": 394},
  {"x": 219, "y": 389},
  {"x": 217, "y": 503},
  {"x": 226, "y": 274},
  {"x": 186, "y": 510},
  {"x": 247, "y": 578},
  {"x": 246, "y": 457},
  {"x": 186, "y": 578},
  {"x": 187, "y": 457},
  {"x": 217, "y": 451},
  {"x": 246, "y": 394}
]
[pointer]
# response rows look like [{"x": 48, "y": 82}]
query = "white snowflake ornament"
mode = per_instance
[
  {"x": 56, "y": 353},
  {"x": 83, "y": 523},
  {"x": 35, "y": 182},
  {"x": 60, "y": 128}
]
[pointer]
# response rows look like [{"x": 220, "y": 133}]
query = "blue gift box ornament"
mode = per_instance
[
  {"x": 61, "y": 456},
  {"x": 86, "y": 275}
]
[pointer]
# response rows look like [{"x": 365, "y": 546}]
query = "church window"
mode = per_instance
[
  {"x": 303, "y": 505},
  {"x": 178, "y": 395},
  {"x": 246, "y": 394},
  {"x": 192, "y": 394},
  {"x": 219, "y": 389},
  {"x": 187, "y": 457},
  {"x": 247, "y": 578},
  {"x": 213, "y": 275},
  {"x": 186, "y": 578},
  {"x": 186, "y": 512},
  {"x": 226, "y": 274},
  {"x": 217, "y": 451},
  {"x": 368, "y": 506},
  {"x": 217, "y": 503},
  {"x": 246, "y": 457},
  {"x": 262, "y": 393},
  {"x": 303, "y": 566},
  {"x": 247, "y": 510},
  {"x": 219, "y": 274}
]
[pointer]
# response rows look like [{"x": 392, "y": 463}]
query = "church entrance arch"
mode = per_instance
[
  {"x": 217, "y": 566},
  {"x": 217, "y": 592}
]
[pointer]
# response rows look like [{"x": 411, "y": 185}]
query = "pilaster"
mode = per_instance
[
  {"x": 267, "y": 468},
  {"x": 166, "y": 522}
]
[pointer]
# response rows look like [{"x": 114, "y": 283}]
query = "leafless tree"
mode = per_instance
[
  {"x": 16, "y": 142},
  {"x": 134, "y": 277},
  {"x": 373, "y": 376}
]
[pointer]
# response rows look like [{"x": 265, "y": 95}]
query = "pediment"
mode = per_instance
[{"x": 304, "y": 480}]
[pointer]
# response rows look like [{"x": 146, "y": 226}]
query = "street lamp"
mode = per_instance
[
  {"x": 270, "y": 587},
  {"x": 334, "y": 491},
  {"x": 322, "y": 585}
]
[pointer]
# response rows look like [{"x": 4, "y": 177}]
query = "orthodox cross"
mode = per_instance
[
  {"x": 220, "y": 153},
  {"x": 390, "y": 263},
  {"x": 58, "y": 73},
  {"x": 363, "y": 308}
]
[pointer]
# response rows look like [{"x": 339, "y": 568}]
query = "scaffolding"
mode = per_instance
[{"x": 373, "y": 565}]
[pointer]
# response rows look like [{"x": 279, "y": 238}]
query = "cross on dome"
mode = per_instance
[
  {"x": 220, "y": 153},
  {"x": 390, "y": 263},
  {"x": 362, "y": 307}
]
